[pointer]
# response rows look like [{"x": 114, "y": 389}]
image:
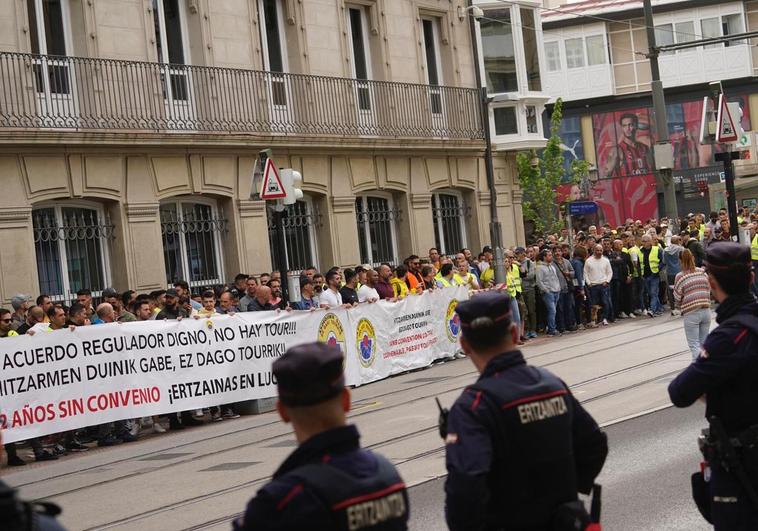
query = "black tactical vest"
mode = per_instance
[
  {"x": 533, "y": 468},
  {"x": 376, "y": 503}
]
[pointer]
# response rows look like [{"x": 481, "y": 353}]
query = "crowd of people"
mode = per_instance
[{"x": 557, "y": 286}]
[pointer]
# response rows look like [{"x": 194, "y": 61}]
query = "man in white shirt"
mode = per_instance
[
  {"x": 331, "y": 295},
  {"x": 597, "y": 277},
  {"x": 367, "y": 292}
]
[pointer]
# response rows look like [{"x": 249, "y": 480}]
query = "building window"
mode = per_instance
[
  {"x": 274, "y": 47},
  {"x": 596, "y": 53},
  {"x": 710, "y": 28},
  {"x": 505, "y": 120},
  {"x": 48, "y": 36},
  {"x": 553, "y": 56},
  {"x": 732, "y": 25},
  {"x": 664, "y": 35},
  {"x": 531, "y": 54},
  {"x": 684, "y": 32},
  {"x": 448, "y": 212},
  {"x": 531, "y": 120},
  {"x": 574, "y": 53},
  {"x": 376, "y": 229},
  {"x": 299, "y": 236},
  {"x": 359, "y": 45},
  {"x": 432, "y": 59},
  {"x": 169, "y": 43},
  {"x": 71, "y": 244},
  {"x": 192, "y": 242},
  {"x": 498, "y": 51}
]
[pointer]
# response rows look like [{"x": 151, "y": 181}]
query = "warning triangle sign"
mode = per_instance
[
  {"x": 272, "y": 184},
  {"x": 727, "y": 132}
]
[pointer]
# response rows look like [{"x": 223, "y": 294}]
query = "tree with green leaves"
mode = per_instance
[{"x": 541, "y": 173}]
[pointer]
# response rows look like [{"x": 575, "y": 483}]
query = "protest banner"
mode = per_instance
[{"x": 62, "y": 380}]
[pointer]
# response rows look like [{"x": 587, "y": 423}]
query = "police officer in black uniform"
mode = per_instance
[
  {"x": 519, "y": 445},
  {"x": 726, "y": 375},
  {"x": 329, "y": 481}
]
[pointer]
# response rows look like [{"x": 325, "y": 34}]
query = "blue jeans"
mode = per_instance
[
  {"x": 566, "y": 305},
  {"x": 602, "y": 295},
  {"x": 515, "y": 314},
  {"x": 651, "y": 289},
  {"x": 697, "y": 324},
  {"x": 551, "y": 302}
]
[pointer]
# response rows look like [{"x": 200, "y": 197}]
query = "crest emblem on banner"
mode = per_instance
[
  {"x": 452, "y": 321},
  {"x": 365, "y": 342},
  {"x": 331, "y": 332}
]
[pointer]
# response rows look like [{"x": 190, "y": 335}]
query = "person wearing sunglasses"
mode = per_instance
[{"x": 5, "y": 324}]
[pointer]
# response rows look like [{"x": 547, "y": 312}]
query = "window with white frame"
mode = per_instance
[
  {"x": 49, "y": 35},
  {"x": 171, "y": 47},
  {"x": 498, "y": 51},
  {"x": 274, "y": 47},
  {"x": 596, "y": 50},
  {"x": 506, "y": 122},
  {"x": 430, "y": 29},
  {"x": 376, "y": 217},
  {"x": 664, "y": 35},
  {"x": 553, "y": 56},
  {"x": 574, "y": 52},
  {"x": 71, "y": 242},
  {"x": 684, "y": 32},
  {"x": 711, "y": 28},
  {"x": 449, "y": 213},
  {"x": 300, "y": 224},
  {"x": 732, "y": 25},
  {"x": 531, "y": 55},
  {"x": 192, "y": 233},
  {"x": 361, "y": 53}
]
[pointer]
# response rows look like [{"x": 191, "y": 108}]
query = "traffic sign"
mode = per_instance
[
  {"x": 727, "y": 130},
  {"x": 272, "y": 184},
  {"x": 577, "y": 208}
]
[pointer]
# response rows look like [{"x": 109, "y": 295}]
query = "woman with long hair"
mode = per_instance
[{"x": 692, "y": 295}]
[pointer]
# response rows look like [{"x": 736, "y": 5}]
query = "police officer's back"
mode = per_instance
[
  {"x": 726, "y": 375},
  {"x": 519, "y": 445},
  {"x": 328, "y": 482}
]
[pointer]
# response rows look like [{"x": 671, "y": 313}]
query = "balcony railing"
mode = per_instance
[{"x": 73, "y": 93}]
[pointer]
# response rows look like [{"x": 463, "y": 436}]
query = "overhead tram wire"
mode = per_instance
[{"x": 604, "y": 19}]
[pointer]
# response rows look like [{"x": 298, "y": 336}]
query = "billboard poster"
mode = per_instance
[
  {"x": 619, "y": 199},
  {"x": 623, "y": 140}
]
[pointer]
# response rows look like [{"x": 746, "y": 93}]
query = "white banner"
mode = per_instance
[{"x": 58, "y": 381}]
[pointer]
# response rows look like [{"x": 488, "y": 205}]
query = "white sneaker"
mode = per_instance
[
  {"x": 605, "y": 322},
  {"x": 676, "y": 312},
  {"x": 134, "y": 430},
  {"x": 622, "y": 315},
  {"x": 158, "y": 428},
  {"x": 639, "y": 312},
  {"x": 632, "y": 316}
]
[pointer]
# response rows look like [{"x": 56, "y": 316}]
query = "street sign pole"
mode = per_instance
[
  {"x": 280, "y": 212},
  {"x": 731, "y": 195}
]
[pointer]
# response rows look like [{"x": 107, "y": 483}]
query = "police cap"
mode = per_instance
[
  {"x": 487, "y": 314},
  {"x": 725, "y": 256},
  {"x": 309, "y": 374}
]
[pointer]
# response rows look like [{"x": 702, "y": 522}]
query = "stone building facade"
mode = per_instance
[{"x": 129, "y": 130}]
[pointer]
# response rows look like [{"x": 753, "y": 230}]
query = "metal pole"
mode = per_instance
[
  {"x": 731, "y": 195},
  {"x": 496, "y": 233},
  {"x": 281, "y": 263},
  {"x": 664, "y": 177}
]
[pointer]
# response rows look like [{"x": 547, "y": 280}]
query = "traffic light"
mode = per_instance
[{"x": 292, "y": 181}]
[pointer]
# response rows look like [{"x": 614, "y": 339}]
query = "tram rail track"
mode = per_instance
[{"x": 375, "y": 446}]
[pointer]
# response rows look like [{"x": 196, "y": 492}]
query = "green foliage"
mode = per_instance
[
  {"x": 580, "y": 170},
  {"x": 540, "y": 176}
]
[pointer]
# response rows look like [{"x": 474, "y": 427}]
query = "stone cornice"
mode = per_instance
[
  {"x": 15, "y": 215},
  {"x": 70, "y": 141},
  {"x": 343, "y": 204},
  {"x": 249, "y": 208},
  {"x": 419, "y": 201},
  {"x": 142, "y": 210}
]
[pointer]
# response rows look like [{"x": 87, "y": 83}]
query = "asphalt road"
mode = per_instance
[{"x": 646, "y": 479}]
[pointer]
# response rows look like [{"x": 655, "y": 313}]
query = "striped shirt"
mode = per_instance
[{"x": 692, "y": 291}]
